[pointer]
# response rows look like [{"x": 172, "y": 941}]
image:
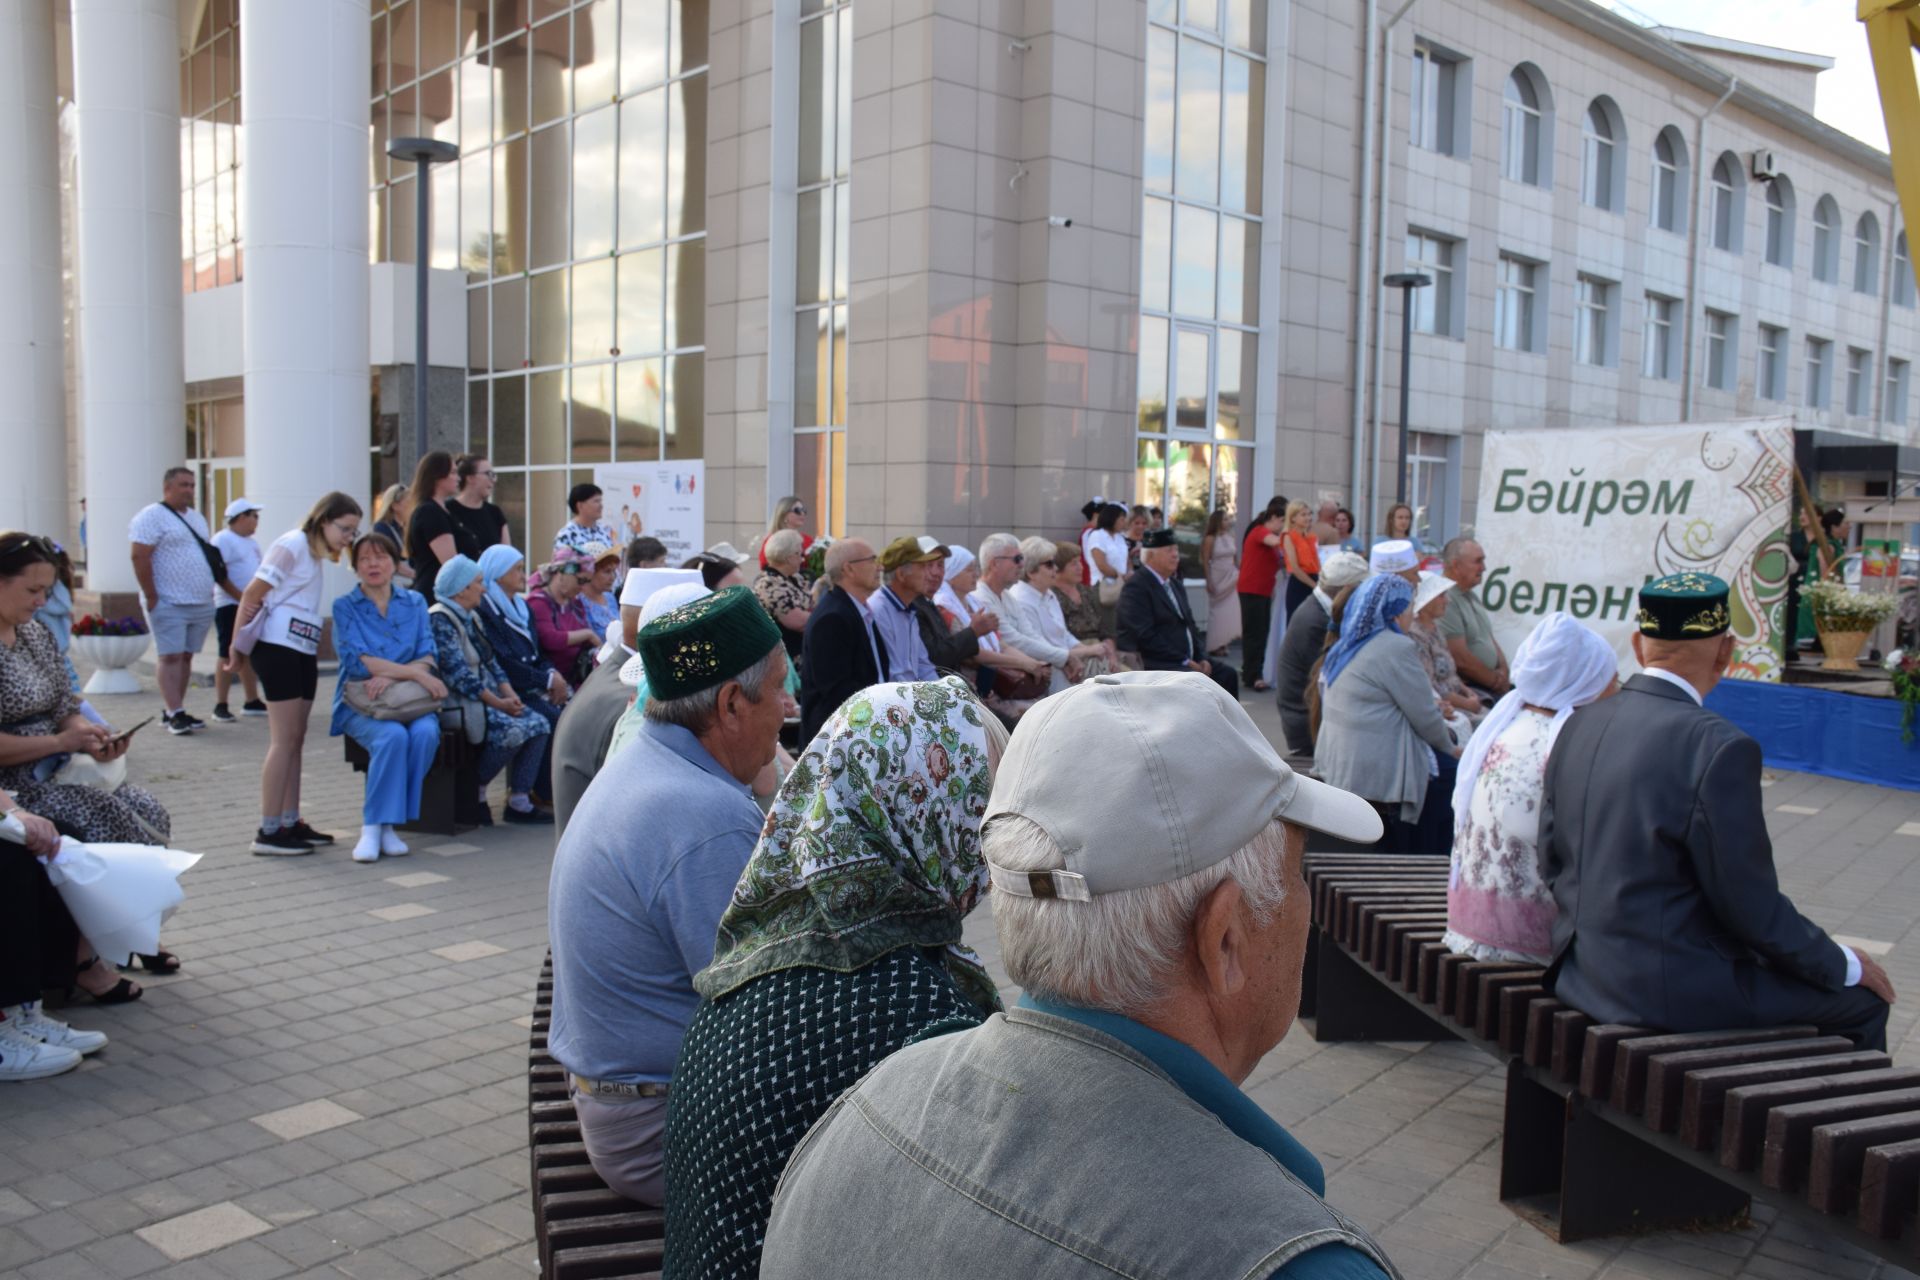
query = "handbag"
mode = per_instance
[
  {"x": 1109, "y": 592},
  {"x": 216, "y": 563},
  {"x": 401, "y": 700},
  {"x": 1019, "y": 686}
]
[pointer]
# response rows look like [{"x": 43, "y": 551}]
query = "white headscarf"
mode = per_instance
[
  {"x": 1562, "y": 665},
  {"x": 959, "y": 559}
]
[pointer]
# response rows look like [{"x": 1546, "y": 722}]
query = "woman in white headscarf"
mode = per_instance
[{"x": 1498, "y": 908}]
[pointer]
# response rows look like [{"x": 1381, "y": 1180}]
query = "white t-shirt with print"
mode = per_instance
[
  {"x": 242, "y": 555},
  {"x": 180, "y": 573},
  {"x": 293, "y": 605}
]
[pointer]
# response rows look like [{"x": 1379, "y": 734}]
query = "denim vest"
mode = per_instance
[{"x": 1034, "y": 1145}]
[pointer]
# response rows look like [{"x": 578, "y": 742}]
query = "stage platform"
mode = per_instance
[{"x": 1840, "y": 727}]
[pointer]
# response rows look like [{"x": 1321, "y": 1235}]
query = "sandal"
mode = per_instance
[
  {"x": 124, "y": 991},
  {"x": 164, "y": 962}
]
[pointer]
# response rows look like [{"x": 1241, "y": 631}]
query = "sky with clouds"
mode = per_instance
[{"x": 1848, "y": 98}]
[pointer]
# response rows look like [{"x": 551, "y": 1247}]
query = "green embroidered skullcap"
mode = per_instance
[
  {"x": 705, "y": 643},
  {"x": 1684, "y": 606}
]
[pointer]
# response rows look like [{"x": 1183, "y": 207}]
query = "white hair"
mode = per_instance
[
  {"x": 1120, "y": 951},
  {"x": 996, "y": 544},
  {"x": 782, "y": 544},
  {"x": 1038, "y": 551}
]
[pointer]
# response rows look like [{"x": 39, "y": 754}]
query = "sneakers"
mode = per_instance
[
  {"x": 30, "y": 1020},
  {"x": 278, "y": 844},
  {"x": 527, "y": 818},
  {"x": 301, "y": 831},
  {"x": 24, "y": 1058},
  {"x": 223, "y": 716},
  {"x": 253, "y": 707},
  {"x": 180, "y": 724}
]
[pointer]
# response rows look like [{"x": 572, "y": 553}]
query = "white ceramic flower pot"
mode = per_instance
[{"x": 110, "y": 656}]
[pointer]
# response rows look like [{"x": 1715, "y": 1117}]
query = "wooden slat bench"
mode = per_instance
[
  {"x": 585, "y": 1230},
  {"x": 1613, "y": 1129},
  {"x": 447, "y": 797}
]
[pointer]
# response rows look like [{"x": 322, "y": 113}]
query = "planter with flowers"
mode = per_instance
[
  {"x": 110, "y": 646},
  {"x": 1845, "y": 619},
  {"x": 1904, "y": 668}
]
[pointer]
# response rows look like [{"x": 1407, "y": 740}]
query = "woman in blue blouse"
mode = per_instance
[
  {"x": 516, "y": 734},
  {"x": 381, "y": 635},
  {"x": 508, "y": 627}
]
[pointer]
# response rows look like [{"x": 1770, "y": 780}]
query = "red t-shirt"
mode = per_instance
[{"x": 1259, "y": 563}]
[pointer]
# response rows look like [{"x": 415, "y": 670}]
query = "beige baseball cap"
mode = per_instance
[{"x": 1185, "y": 780}]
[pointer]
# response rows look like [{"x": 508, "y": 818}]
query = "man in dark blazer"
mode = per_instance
[
  {"x": 1155, "y": 621},
  {"x": 843, "y": 652},
  {"x": 1654, "y": 842}
]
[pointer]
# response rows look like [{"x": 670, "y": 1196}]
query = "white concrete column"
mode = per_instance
[
  {"x": 303, "y": 170},
  {"x": 126, "y": 78},
  {"x": 33, "y": 416}
]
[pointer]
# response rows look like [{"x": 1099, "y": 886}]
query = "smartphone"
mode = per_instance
[{"x": 125, "y": 734}]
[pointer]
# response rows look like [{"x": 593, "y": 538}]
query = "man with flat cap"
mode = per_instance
[
  {"x": 1653, "y": 839},
  {"x": 1155, "y": 620},
  {"x": 647, "y": 866},
  {"x": 903, "y": 566},
  {"x": 1157, "y": 926}
]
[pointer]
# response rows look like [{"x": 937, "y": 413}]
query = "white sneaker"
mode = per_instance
[
  {"x": 24, "y": 1058},
  {"x": 31, "y": 1020},
  {"x": 391, "y": 844},
  {"x": 368, "y": 849}
]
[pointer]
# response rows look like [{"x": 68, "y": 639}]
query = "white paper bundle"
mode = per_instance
[{"x": 119, "y": 894}]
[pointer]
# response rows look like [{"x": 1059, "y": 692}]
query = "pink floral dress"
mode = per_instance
[{"x": 1498, "y": 908}]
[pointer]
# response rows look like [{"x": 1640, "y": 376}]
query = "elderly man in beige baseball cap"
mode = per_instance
[{"x": 1157, "y": 920}]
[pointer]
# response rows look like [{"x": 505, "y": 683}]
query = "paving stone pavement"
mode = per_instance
[{"x": 335, "y": 1084}]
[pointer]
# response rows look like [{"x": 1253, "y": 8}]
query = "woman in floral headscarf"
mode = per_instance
[{"x": 841, "y": 945}]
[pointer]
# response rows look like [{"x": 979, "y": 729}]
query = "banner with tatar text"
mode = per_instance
[{"x": 1580, "y": 518}]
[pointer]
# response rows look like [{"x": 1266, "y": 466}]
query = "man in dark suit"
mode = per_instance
[
  {"x": 1155, "y": 621},
  {"x": 843, "y": 652},
  {"x": 1654, "y": 841}
]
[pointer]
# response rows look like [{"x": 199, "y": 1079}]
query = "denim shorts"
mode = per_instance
[{"x": 180, "y": 628}]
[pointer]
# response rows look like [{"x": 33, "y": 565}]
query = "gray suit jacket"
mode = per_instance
[
  {"x": 1654, "y": 842},
  {"x": 580, "y": 738},
  {"x": 1306, "y": 632},
  {"x": 1375, "y": 723}
]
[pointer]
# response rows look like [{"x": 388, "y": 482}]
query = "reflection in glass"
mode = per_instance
[
  {"x": 639, "y": 387},
  {"x": 1157, "y": 171},
  {"x": 643, "y": 43},
  {"x": 812, "y": 369},
  {"x": 445, "y": 218},
  {"x": 813, "y": 248},
  {"x": 1234, "y": 393},
  {"x": 1156, "y": 254},
  {"x": 1233, "y": 481},
  {"x": 1167, "y": 11},
  {"x": 547, "y": 303},
  {"x": 509, "y": 205},
  {"x": 552, "y": 161},
  {"x": 686, "y": 405},
  {"x": 596, "y": 50},
  {"x": 477, "y": 416},
  {"x": 1242, "y": 134},
  {"x": 592, "y": 413},
  {"x": 820, "y": 475},
  {"x": 510, "y": 323},
  {"x": 686, "y": 294},
  {"x": 1239, "y": 271},
  {"x": 476, "y": 105},
  {"x": 643, "y": 169},
  {"x": 509, "y": 422},
  {"x": 1150, "y": 474},
  {"x": 594, "y": 150},
  {"x": 546, "y": 506},
  {"x": 1204, "y": 14},
  {"x": 593, "y": 309},
  {"x": 642, "y": 283},
  {"x": 547, "y": 417},
  {"x": 687, "y": 43},
  {"x": 1153, "y": 374},
  {"x": 838, "y": 405},
  {"x": 510, "y": 495},
  {"x": 842, "y": 240},
  {"x": 843, "y": 129},
  {"x": 1197, "y": 152},
  {"x": 1247, "y": 24},
  {"x": 1191, "y": 358},
  {"x": 687, "y": 156},
  {"x": 1189, "y": 489},
  {"x": 1194, "y": 252},
  {"x": 477, "y": 331},
  {"x": 819, "y": 52}
]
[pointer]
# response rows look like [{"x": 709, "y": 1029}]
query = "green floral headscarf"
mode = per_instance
[{"x": 873, "y": 844}]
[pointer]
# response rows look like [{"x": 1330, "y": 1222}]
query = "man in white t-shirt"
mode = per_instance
[
  {"x": 236, "y": 546},
  {"x": 177, "y": 585}
]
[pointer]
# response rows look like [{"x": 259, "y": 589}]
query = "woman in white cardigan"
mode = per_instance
[{"x": 1381, "y": 733}]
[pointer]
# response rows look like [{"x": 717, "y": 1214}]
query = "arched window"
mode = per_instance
[
  {"x": 1902, "y": 271},
  {"x": 1669, "y": 211},
  {"x": 1826, "y": 240},
  {"x": 1729, "y": 203},
  {"x": 1866, "y": 255},
  {"x": 1780, "y": 222},
  {"x": 1602, "y": 148},
  {"x": 1526, "y": 128}
]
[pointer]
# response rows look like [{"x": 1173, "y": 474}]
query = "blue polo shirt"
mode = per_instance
[
  {"x": 900, "y": 628},
  {"x": 1201, "y": 1081},
  {"x": 640, "y": 878}
]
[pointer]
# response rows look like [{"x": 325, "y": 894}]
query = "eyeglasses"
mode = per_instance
[
  {"x": 347, "y": 531},
  {"x": 1017, "y": 559},
  {"x": 20, "y": 541},
  {"x": 796, "y": 511},
  {"x": 861, "y": 560}
]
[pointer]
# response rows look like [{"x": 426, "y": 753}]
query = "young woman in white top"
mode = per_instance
[{"x": 287, "y": 590}]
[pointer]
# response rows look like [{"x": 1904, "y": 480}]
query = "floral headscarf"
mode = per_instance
[
  {"x": 1371, "y": 609},
  {"x": 873, "y": 844}
]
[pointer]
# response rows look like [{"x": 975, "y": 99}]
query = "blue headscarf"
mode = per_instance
[
  {"x": 1370, "y": 610},
  {"x": 494, "y": 561},
  {"x": 455, "y": 576}
]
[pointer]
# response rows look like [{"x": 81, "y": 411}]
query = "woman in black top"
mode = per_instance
[
  {"x": 432, "y": 536},
  {"x": 470, "y": 506}
]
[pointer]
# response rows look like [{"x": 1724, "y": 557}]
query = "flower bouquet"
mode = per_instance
[
  {"x": 814, "y": 566},
  {"x": 1845, "y": 617},
  {"x": 1904, "y": 667}
]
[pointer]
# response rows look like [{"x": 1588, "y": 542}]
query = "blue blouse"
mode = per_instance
[{"x": 401, "y": 635}]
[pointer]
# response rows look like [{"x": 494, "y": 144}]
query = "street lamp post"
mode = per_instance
[
  {"x": 1406, "y": 282},
  {"x": 424, "y": 153}
]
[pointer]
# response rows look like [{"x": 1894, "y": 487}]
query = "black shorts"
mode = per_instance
[
  {"x": 286, "y": 675},
  {"x": 223, "y": 620}
]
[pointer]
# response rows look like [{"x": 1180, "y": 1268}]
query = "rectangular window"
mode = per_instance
[
  {"x": 1513, "y": 304},
  {"x": 1819, "y": 373},
  {"x": 1770, "y": 380},
  {"x": 1433, "y": 256},
  {"x": 1593, "y": 321},
  {"x": 1859, "y": 382},
  {"x": 1723, "y": 350},
  {"x": 1436, "y": 83},
  {"x": 1894, "y": 410},
  {"x": 1658, "y": 357}
]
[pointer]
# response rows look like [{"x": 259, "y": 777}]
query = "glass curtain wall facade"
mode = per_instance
[
  {"x": 577, "y": 211},
  {"x": 820, "y": 262},
  {"x": 210, "y": 151}
]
